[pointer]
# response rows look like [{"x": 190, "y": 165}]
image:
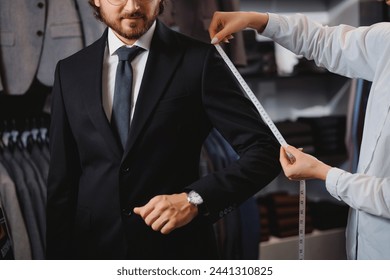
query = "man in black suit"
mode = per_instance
[{"x": 144, "y": 200}]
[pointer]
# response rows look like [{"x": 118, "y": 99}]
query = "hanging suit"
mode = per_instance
[
  {"x": 193, "y": 18},
  {"x": 12, "y": 210},
  {"x": 29, "y": 211},
  {"x": 35, "y": 34}
]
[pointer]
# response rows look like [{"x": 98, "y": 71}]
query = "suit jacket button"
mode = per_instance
[
  {"x": 125, "y": 169},
  {"x": 126, "y": 212}
]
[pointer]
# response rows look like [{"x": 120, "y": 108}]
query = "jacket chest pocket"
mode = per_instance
[
  {"x": 174, "y": 105},
  {"x": 7, "y": 39}
]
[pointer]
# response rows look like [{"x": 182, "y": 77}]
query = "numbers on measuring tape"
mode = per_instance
[
  {"x": 266, "y": 118},
  {"x": 302, "y": 220}
]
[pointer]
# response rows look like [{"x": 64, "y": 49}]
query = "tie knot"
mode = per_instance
[{"x": 125, "y": 53}]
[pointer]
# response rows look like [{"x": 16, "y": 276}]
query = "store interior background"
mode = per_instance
[{"x": 312, "y": 108}]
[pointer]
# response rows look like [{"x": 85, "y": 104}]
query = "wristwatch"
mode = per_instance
[{"x": 195, "y": 199}]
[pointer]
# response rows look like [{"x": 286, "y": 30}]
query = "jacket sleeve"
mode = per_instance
[
  {"x": 238, "y": 121},
  {"x": 63, "y": 178}
]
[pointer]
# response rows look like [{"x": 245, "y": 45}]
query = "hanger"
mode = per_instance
[
  {"x": 1, "y": 142},
  {"x": 13, "y": 136}
]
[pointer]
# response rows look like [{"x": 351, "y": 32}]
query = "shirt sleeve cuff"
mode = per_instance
[
  {"x": 272, "y": 25},
  {"x": 332, "y": 180}
]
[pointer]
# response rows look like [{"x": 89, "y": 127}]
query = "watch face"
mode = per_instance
[{"x": 194, "y": 198}]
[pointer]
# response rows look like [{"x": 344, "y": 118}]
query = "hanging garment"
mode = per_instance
[
  {"x": 13, "y": 214},
  {"x": 6, "y": 252},
  {"x": 193, "y": 17},
  {"x": 27, "y": 204},
  {"x": 238, "y": 234},
  {"x": 34, "y": 35}
]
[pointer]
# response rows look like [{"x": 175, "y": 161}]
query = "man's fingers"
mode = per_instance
[
  {"x": 143, "y": 211},
  {"x": 168, "y": 227},
  {"x": 159, "y": 223},
  {"x": 165, "y": 213},
  {"x": 152, "y": 217}
]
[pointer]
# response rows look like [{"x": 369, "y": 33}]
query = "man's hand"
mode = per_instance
[{"x": 165, "y": 213}]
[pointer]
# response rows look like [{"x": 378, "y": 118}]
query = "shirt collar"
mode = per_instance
[{"x": 144, "y": 41}]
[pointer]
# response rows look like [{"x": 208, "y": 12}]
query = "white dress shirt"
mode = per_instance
[
  {"x": 357, "y": 53},
  {"x": 110, "y": 64}
]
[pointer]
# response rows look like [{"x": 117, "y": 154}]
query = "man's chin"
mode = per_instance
[
  {"x": 132, "y": 33},
  {"x": 133, "y": 25}
]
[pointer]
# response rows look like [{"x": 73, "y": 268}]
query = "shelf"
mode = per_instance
[
  {"x": 300, "y": 76},
  {"x": 284, "y": 6},
  {"x": 319, "y": 245},
  {"x": 286, "y": 98}
]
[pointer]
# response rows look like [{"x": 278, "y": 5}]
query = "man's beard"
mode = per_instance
[{"x": 137, "y": 31}]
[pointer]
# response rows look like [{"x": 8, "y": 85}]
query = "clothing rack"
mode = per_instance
[
  {"x": 24, "y": 165},
  {"x": 238, "y": 234}
]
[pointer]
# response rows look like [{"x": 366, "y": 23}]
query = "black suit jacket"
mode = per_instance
[{"x": 93, "y": 185}]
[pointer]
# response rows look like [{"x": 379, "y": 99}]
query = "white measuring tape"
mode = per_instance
[{"x": 264, "y": 115}]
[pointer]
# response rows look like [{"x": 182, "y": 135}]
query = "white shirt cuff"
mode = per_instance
[
  {"x": 272, "y": 25},
  {"x": 332, "y": 179}
]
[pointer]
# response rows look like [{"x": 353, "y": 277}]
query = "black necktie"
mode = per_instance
[{"x": 120, "y": 118}]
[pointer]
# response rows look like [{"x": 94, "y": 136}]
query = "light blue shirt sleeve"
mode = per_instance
[{"x": 331, "y": 181}]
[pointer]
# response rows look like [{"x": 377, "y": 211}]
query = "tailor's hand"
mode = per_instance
[
  {"x": 165, "y": 213},
  {"x": 224, "y": 24},
  {"x": 303, "y": 166}
]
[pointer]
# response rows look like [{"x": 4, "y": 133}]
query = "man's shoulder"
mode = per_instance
[
  {"x": 176, "y": 37},
  {"x": 89, "y": 52}
]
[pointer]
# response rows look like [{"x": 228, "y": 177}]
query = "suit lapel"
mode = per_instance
[
  {"x": 164, "y": 57},
  {"x": 92, "y": 94}
]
